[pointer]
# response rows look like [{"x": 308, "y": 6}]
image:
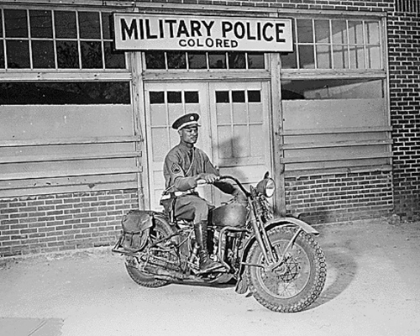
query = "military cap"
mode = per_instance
[{"x": 190, "y": 119}]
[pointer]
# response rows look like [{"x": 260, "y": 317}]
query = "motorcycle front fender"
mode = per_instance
[
  {"x": 290, "y": 221},
  {"x": 274, "y": 222}
]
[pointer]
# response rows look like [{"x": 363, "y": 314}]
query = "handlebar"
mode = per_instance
[{"x": 228, "y": 177}]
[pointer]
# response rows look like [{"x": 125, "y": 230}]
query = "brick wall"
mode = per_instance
[
  {"x": 339, "y": 197},
  {"x": 404, "y": 68},
  {"x": 62, "y": 222}
]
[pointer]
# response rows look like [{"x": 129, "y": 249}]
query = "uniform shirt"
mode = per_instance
[{"x": 182, "y": 164}]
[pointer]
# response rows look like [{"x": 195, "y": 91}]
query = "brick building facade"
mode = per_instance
[{"x": 83, "y": 215}]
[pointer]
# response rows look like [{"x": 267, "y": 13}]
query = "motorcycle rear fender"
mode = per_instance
[{"x": 277, "y": 221}]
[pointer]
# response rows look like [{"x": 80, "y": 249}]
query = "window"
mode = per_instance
[
  {"x": 70, "y": 93},
  {"x": 57, "y": 39},
  {"x": 160, "y": 60},
  {"x": 335, "y": 44}
]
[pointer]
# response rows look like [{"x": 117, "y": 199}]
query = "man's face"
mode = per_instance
[{"x": 189, "y": 135}]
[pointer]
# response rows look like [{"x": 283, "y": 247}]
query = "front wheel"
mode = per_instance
[{"x": 297, "y": 282}]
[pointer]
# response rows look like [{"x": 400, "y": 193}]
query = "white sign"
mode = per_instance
[{"x": 157, "y": 32}]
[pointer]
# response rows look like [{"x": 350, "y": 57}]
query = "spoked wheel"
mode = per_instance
[
  {"x": 297, "y": 282},
  {"x": 134, "y": 264}
]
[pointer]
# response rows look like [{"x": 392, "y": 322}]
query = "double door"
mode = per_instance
[{"x": 235, "y": 130}]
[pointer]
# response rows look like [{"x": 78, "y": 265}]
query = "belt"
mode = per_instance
[{"x": 178, "y": 194}]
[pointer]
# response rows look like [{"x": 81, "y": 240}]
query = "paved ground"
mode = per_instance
[{"x": 372, "y": 289}]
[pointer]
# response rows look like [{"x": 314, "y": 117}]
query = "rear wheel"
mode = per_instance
[
  {"x": 297, "y": 282},
  {"x": 134, "y": 264}
]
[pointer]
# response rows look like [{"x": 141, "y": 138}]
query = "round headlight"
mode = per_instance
[
  {"x": 270, "y": 187},
  {"x": 266, "y": 187}
]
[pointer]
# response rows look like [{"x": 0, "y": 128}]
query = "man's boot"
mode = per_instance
[{"x": 206, "y": 264}]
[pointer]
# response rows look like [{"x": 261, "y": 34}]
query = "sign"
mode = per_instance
[{"x": 174, "y": 32}]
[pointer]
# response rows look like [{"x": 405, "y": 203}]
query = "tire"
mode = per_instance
[
  {"x": 297, "y": 283},
  {"x": 133, "y": 265}
]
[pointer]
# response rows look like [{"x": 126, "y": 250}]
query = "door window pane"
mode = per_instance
[
  {"x": 43, "y": 54},
  {"x": 41, "y": 24},
  {"x": 191, "y": 97},
  {"x": 174, "y": 97},
  {"x": 1, "y": 56}
]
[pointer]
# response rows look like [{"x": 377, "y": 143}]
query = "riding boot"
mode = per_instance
[{"x": 206, "y": 264}]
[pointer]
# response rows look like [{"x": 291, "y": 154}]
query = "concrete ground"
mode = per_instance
[{"x": 372, "y": 289}]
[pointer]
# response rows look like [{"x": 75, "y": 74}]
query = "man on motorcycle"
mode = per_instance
[{"x": 184, "y": 165}]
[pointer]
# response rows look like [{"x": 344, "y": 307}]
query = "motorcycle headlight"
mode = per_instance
[{"x": 266, "y": 187}]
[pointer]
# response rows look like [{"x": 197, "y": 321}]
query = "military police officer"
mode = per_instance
[{"x": 184, "y": 166}]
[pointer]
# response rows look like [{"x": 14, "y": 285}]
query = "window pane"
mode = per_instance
[
  {"x": 91, "y": 55},
  {"x": 155, "y": 60},
  {"x": 191, "y": 97},
  {"x": 67, "y": 55},
  {"x": 322, "y": 31},
  {"x": 174, "y": 97},
  {"x": 197, "y": 60},
  {"x": 16, "y": 23},
  {"x": 357, "y": 59},
  {"x": 341, "y": 57},
  {"x": 65, "y": 24},
  {"x": 372, "y": 32},
  {"x": 356, "y": 32},
  {"x": 1, "y": 26},
  {"x": 217, "y": 60},
  {"x": 89, "y": 25},
  {"x": 339, "y": 32},
  {"x": 374, "y": 54},
  {"x": 41, "y": 23},
  {"x": 237, "y": 60},
  {"x": 305, "y": 32},
  {"x": 17, "y": 54},
  {"x": 113, "y": 59},
  {"x": 333, "y": 89},
  {"x": 323, "y": 57},
  {"x": 106, "y": 25},
  {"x": 78, "y": 93},
  {"x": 176, "y": 60},
  {"x": 288, "y": 61},
  {"x": 256, "y": 61},
  {"x": 43, "y": 54},
  {"x": 306, "y": 57},
  {"x": 1, "y": 56}
]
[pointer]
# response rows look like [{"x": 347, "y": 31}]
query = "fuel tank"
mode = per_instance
[{"x": 232, "y": 214}]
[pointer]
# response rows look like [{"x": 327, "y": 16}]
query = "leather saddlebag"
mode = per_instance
[{"x": 136, "y": 225}]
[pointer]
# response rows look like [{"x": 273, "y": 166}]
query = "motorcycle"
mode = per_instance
[{"x": 276, "y": 259}]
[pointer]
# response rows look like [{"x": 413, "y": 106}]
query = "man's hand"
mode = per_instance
[{"x": 209, "y": 178}]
